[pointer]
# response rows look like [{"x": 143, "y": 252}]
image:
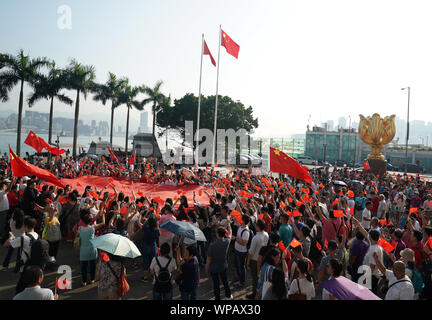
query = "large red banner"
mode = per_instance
[{"x": 148, "y": 190}]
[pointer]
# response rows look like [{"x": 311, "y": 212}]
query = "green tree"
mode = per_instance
[
  {"x": 127, "y": 96},
  {"x": 49, "y": 87},
  {"x": 80, "y": 78},
  {"x": 231, "y": 114},
  {"x": 110, "y": 91},
  {"x": 18, "y": 69},
  {"x": 157, "y": 99}
]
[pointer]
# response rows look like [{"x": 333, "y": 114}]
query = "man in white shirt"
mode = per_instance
[
  {"x": 366, "y": 215},
  {"x": 323, "y": 206},
  {"x": 23, "y": 242},
  {"x": 33, "y": 291},
  {"x": 400, "y": 286},
  {"x": 4, "y": 207},
  {"x": 258, "y": 241},
  {"x": 241, "y": 251},
  {"x": 165, "y": 261},
  {"x": 381, "y": 213}
]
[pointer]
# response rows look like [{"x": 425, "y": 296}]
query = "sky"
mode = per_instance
[{"x": 299, "y": 59}]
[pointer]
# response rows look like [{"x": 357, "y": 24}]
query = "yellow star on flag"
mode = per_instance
[{"x": 277, "y": 152}]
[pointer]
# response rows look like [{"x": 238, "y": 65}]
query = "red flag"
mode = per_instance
[
  {"x": 132, "y": 160},
  {"x": 21, "y": 168},
  {"x": 231, "y": 47},
  {"x": 318, "y": 246},
  {"x": 413, "y": 210},
  {"x": 366, "y": 165},
  {"x": 112, "y": 154},
  {"x": 294, "y": 243},
  {"x": 281, "y": 163},
  {"x": 338, "y": 213},
  {"x": 385, "y": 245},
  {"x": 33, "y": 141},
  {"x": 281, "y": 246},
  {"x": 207, "y": 52}
]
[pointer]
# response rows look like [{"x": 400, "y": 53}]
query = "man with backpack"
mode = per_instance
[
  {"x": 241, "y": 250},
  {"x": 162, "y": 268},
  {"x": 400, "y": 286},
  {"x": 33, "y": 251}
]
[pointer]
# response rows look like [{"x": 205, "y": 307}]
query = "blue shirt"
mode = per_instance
[{"x": 189, "y": 278}]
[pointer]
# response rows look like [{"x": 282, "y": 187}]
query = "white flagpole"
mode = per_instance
[
  {"x": 216, "y": 104},
  {"x": 199, "y": 105}
]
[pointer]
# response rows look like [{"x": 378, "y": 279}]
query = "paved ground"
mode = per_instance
[{"x": 139, "y": 290}]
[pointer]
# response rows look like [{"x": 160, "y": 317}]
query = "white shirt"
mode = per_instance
[
  {"x": 35, "y": 293},
  {"x": 16, "y": 243},
  {"x": 306, "y": 287},
  {"x": 4, "y": 201},
  {"x": 163, "y": 262},
  {"x": 244, "y": 236},
  {"x": 324, "y": 209},
  {"x": 258, "y": 241},
  {"x": 403, "y": 290},
  {"x": 381, "y": 209},
  {"x": 369, "y": 259},
  {"x": 366, "y": 214}
]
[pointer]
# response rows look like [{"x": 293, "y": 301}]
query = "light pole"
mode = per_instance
[
  {"x": 349, "y": 141},
  {"x": 407, "y": 134}
]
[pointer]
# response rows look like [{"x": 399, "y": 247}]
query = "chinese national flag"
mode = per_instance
[
  {"x": 294, "y": 243},
  {"x": 281, "y": 246},
  {"x": 112, "y": 154},
  {"x": 207, "y": 52},
  {"x": 21, "y": 168},
  {"x": 385, "y": 245},
  {"x": 366, "y": 165},
  {"x": 132, "y": 160},
  {"x": 281, "y": 163},
  {"x": 33, "y": 141},
  {"x": 231, "y": 47}
]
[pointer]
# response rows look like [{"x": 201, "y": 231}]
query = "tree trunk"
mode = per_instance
[
  {"x": 127, "y": 129},
  {"x": 20, "y": 109},
  {"x": 50, "y": 120},
  {"x": 75, "y": 137},
  {"x": 153, "y": 130},
  {"x": 112, "y": 123}
]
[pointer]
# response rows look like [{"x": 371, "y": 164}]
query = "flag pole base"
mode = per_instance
[{"x": 378, "y": 167}]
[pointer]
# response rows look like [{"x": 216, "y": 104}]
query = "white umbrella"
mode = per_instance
[{"x": 116, "y": 245}]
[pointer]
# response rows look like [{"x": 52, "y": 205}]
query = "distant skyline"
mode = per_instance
[{"x": 300, "y": 62}]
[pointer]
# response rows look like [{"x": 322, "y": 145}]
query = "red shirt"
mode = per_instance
[
  {"x": 375, "y": 204},
  {"x": 13, "y": 199},
  {"x": 419, "y": 255},
  {"x": 268, "y": 223}
]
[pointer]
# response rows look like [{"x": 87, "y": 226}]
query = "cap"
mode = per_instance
[
  {"x": 6, "y": 180},
  {"x": 197, "y": 204},
  {"x": 407, "y": 254},
  {"x": 25, "y": 178}
]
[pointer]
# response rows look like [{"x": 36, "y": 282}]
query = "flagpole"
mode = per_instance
[
  {"x": 216, "y": 103},
  {"x": 197, "y": 139}
]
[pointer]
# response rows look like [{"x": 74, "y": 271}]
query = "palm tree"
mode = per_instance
[
  {"x": 80, "y": 78},
  {"x": 48, "y": 87},
  {"x": 156, "y": 98},
  {"x": 18, "y": 69},
  {"x": 127, "y": 96},
  {"x": 110, "y": 91}
]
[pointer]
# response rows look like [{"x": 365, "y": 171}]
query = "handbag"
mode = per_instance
[
  {"x": 122, "y": 285},
  {"x": 297, "y": 296},
  {"x": 266, "y": 283}
]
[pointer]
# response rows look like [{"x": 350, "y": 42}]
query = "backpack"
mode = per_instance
[
  {"x": 251, "y": 235},
  {"x": 38, "y": 252},
  {"x": 163, "y": 278}
]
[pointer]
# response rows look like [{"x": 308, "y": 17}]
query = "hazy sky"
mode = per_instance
[{"x": 324, "y": 58}]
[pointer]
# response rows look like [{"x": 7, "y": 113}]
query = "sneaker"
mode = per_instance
[
  {"x": 145, "y": 279},
  {"x": 229, "y": 298}
]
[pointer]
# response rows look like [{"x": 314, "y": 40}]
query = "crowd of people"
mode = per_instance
[{"x": 285, "y": 236}]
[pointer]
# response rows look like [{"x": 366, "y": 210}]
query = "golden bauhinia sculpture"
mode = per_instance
[{"x": 377, "y": 132}]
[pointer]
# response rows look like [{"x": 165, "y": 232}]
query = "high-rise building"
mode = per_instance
[
  {"x": 342, "y": 123},
  {"x": 144, "y": 127}
]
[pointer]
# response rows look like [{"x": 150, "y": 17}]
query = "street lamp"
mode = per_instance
[{"x": 407, "y": 134}]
